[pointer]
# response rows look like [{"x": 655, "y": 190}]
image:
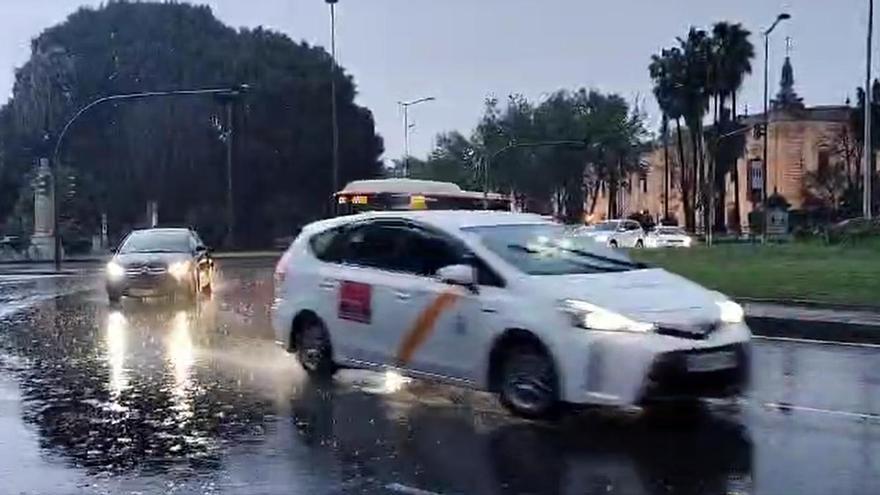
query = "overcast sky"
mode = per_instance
[{"x": 462, "y": 51}]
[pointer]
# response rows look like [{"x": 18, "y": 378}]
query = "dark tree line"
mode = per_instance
[{"x": 172, "y": 150}]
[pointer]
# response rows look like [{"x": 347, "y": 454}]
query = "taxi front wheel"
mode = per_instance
[
  {"x": 529, "y": 386},
  {"x": 313, "y": 349}
]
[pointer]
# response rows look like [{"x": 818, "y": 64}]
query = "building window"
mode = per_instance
[
  {"x": 823, "y": 161},
  {"x": 643, "y": 181},
  {"x": 756, "y": 178}
]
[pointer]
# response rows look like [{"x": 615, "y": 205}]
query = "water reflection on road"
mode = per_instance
[{"x": 154, "y": 398}]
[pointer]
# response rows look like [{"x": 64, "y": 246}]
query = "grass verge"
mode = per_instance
[{"x": 818, "y": 272}]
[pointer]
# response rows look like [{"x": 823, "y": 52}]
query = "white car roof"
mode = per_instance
[
  {"x": 412, "y": 186},
  {"x": 444, "y": 219}
]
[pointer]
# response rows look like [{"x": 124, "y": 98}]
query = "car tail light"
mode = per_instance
[{"x": 281, "y": 270}]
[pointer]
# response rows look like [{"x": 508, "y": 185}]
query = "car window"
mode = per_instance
[
  {"x": 377, "y": 245},
  {"x": 632, "y": 226},
  {"x": 400, "y": 247},
  {"x": 427, "y": 252},
  {"x": 606, "y": 226},
  {"x": 547, "y": 249},
  {"x": 328, "y": 245},
  {"x": 157, "y": 241}
]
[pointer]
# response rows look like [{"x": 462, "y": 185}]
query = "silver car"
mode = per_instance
[
  {"x": 618, "y": 233},
  {"x": 667, "y": 236}
]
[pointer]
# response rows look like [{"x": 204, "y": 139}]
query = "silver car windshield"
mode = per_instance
[
  {"x": 548, "y": 249},
  {"x": 156, "y": 242}
]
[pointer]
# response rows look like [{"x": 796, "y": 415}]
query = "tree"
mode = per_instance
[
  {"x": 173, "y": 150},
  {"x": 697, "y": 51},
  {"x": 700, "y": 69},
  {"x": 667, "y": 72},
  {"x": 733, "y": 53},
  {"x": 828, "y": 183},
  {"x": 541, "y": 177},
  {"x": 857, "y": 121},
  {"x": 451, "y": 160}
]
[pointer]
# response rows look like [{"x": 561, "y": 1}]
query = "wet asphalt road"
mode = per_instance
[{"x": 157, "y": 399}]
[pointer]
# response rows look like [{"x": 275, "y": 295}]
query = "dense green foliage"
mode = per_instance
[
  {"x": 604, "y": 134},
  {"x": 119, "y": 156}
]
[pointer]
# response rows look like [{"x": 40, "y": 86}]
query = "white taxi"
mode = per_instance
[{"x": 504, "y": 302}]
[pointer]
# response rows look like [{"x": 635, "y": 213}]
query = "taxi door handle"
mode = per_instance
[
  {"x": 402, "y": 296},
  {"x": 486, "y": 309},
  {"x": 328, "y": 284}
]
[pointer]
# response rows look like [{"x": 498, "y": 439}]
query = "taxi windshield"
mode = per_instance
[{"x": 548, "y": 249}]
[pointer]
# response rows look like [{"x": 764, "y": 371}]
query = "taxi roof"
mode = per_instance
[{"x": 444, "y": 219}]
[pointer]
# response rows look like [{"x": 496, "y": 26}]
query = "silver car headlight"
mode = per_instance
[
  {"x": 731, "y": 312},
  {"x": 592, "y": 317},
  {"x": 115, "y": 271},
  {"x": 179, "y": 269}
]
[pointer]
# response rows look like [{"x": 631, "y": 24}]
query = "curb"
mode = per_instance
[
  {"x": 812, "y": 304},
  {"x": 829, "y": 331}
]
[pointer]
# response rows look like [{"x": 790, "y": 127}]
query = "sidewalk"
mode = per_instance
[{"x": 814, "y": 322}]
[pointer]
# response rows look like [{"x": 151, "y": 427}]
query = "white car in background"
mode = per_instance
[
  {"x": 505, "y": 302},
  {"x": 617, "y": 233},
  {"x": 666, "y": 236}
]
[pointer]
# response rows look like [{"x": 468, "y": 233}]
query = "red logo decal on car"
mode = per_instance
[{"x": 355, "y": 302}]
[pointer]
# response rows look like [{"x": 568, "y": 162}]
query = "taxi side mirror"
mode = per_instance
[{"x": 462, "y": 275}]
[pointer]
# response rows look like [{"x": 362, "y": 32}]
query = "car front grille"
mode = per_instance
[
  {"x": 145, "y": 270},
  {"x": 670, "y": 378},
  {"x": 696, "y": 331}
]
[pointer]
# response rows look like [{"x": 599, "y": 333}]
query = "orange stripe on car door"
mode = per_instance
[{"x": 424, "y": 326}]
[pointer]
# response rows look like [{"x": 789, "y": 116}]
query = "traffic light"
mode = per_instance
[{"x": 758, "y": 131}]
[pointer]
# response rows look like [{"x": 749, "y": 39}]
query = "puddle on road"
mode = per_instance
[{"x": 199, "y": 401}]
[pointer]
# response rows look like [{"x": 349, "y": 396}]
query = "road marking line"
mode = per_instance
[
  {"x": 816, "y": 341},
  {"x": 791, "y": 407},
  {"x": 408, "y": 490},
  {"x": 424, "y": 326}
]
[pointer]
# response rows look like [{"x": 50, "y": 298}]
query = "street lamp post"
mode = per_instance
[
  {"x": 868, "y": 169},
  {"x": 406, "y": 105},
  {"x": 781, "y": 17},
  {"x": 333, "y": 111},
  {"x": 56, "y": 153}
]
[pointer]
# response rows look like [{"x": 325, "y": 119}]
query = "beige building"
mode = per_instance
[{"x": 800, "y": 139}]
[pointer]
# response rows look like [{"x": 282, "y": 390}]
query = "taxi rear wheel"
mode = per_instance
[
  {"x": 528, "y": 385},
  {"x": 313, "y": 349}
]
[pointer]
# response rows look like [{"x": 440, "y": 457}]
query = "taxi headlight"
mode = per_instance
[
  {"x": 731, "y": 312},
  {"x": 179, "y": 269},
  {"x": 592, "y": 317},
  {"x": 115, "y": 271}
]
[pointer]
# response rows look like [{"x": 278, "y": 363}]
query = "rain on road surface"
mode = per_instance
[{"x": 157, "y": 399}]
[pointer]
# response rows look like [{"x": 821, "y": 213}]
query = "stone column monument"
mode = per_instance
[{"x": 43, "y": 238}]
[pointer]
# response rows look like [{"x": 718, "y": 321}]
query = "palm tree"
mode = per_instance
[
  {"x": 696, "y": 49},
  {"x": 733, "y": 53},
  {"x": 667, "y": 72}
]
